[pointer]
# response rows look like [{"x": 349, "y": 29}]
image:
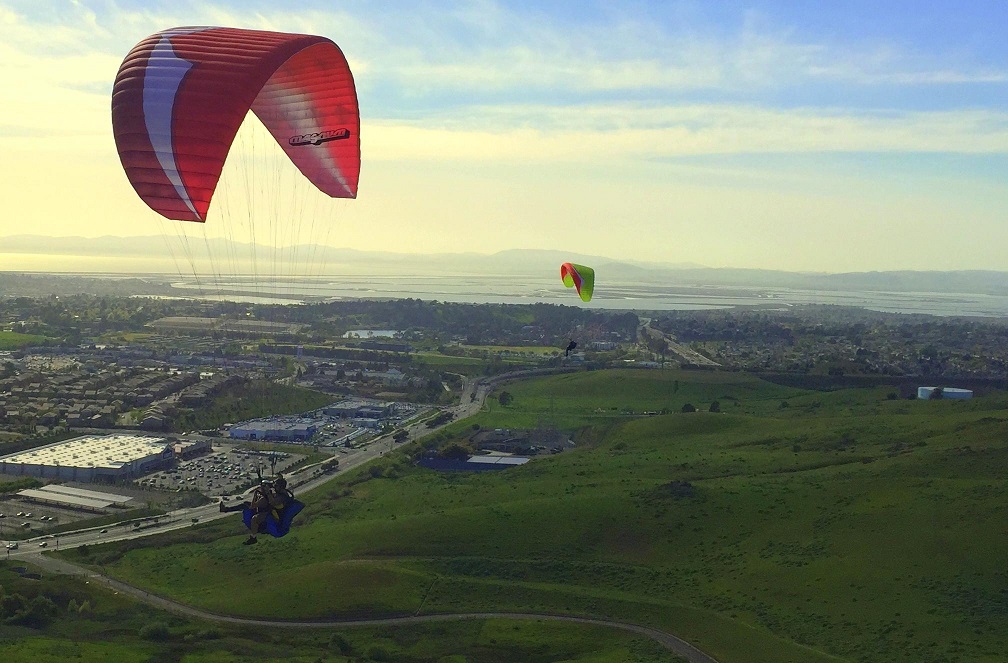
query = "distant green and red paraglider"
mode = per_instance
[{"x": 580, "y": 277}]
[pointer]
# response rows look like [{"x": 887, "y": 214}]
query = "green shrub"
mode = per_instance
[
  {"x": 340, "y": 643},
  {"x": 156, "y": 631}
]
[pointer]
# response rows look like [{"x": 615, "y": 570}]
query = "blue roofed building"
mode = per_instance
[{"x": 274, "y": 431}]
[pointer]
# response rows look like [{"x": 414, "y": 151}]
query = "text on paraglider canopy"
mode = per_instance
[{"x": 319, "y": 137}]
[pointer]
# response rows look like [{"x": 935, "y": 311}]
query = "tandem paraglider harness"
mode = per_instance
[{"x": 277, "y": 522}]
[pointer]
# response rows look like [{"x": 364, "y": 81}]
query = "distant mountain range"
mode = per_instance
[{"x": 518, "y": 262}]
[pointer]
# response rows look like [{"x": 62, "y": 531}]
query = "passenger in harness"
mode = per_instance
[{"x": 271, "y": 509}]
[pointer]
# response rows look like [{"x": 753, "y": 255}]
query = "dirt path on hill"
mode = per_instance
[{"x": 667, "y": 640}]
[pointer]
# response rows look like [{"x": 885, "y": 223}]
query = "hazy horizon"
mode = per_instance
[{"x": 137, "y": 254}]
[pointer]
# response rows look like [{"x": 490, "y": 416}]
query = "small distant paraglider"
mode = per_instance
[
  {"x": 570, "y": 346},
  {"x": 580, "y": 277}
]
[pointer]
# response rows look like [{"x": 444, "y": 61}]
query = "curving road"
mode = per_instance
[
  {"x": 474, "y": 392},
  {"x": 667, "y": 640}
]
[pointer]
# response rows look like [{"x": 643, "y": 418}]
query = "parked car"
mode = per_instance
[{"x": 43, "y": 544}]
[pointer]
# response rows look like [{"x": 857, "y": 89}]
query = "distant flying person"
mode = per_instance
[{"x": 570, "y": 346}]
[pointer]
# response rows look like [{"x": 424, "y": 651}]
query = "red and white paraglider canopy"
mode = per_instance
[{"x": 181, "y": 95}]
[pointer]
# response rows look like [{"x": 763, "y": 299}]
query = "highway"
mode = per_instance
[
  {"x": 681, "y": 352},
  {"x": 473, "y": 396},
  {"x": 474, "y": 392}
]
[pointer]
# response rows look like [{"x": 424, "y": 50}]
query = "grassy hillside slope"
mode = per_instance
[
  {"x": 792, "y": 526},
  {"x": 55, "y": 618}
]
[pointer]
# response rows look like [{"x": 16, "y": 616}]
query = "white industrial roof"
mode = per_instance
[
  {"x": 90, "y": 494},
  {"x": 72, "y": 500},
  {"x": 110, "y": 451},
  {"x": 499, "y": 460}
]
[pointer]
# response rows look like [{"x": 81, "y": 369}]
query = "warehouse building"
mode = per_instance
[
  {"x": 190, "y": 448},
  {"x": 92, "y": 458},
  {"x": 281, "y": 431},
  {"x": 927, "y": 393},
  {"x": 74, "y": 498},
  {"x": 356, "y": 408},
  {"x": 488, "y": 463}
]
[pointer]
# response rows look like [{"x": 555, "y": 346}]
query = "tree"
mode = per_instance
[
  {"x": 688, "y": 408},
  {"x": 340, "y": 643},
  {"x": 936, "y": 394},
  {"x": 505, "y": 398},
  {"x": 456, "y": 451},
  {"x": 11, "y": 605},
  {"x": 715, "y": 407},
  {"x": 36, "y": 614},
  {"x": 155, "y": 631}
]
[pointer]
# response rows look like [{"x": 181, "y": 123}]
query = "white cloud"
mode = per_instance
[
  {"x": 55, "y": 77},
  {"x": 623, "y": 133},
  {"x": 447, "y": 53},
  {"x": 892, "y": 70},
  {"x": 490, "y": 49}
]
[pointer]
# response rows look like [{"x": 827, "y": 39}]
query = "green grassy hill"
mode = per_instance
[
  {"x": 58, "y": 618},
  {"x": 792, "y": 526},
  {"x": 10, "y": 340}
]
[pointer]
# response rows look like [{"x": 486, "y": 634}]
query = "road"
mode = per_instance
[
  {"x": 667, "y": 640},
  {"x": 683, "y": 353},
  {"x": 187, "y": 517},
  {"x": 474, "y": 392}
]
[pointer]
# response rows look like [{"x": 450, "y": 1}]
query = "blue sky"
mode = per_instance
[{"x": 839, "y": 136}]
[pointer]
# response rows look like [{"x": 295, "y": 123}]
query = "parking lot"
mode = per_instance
[
  {"x": 24, "y": 518},
  {"x": 20, "y": 518},
  {"x": 225, "y": 471}
]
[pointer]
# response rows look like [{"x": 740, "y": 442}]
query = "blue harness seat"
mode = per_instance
[{"x": 276, "y": 524}]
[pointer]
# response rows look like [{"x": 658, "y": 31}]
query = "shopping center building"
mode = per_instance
[{"x": 92, "y": 458}]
